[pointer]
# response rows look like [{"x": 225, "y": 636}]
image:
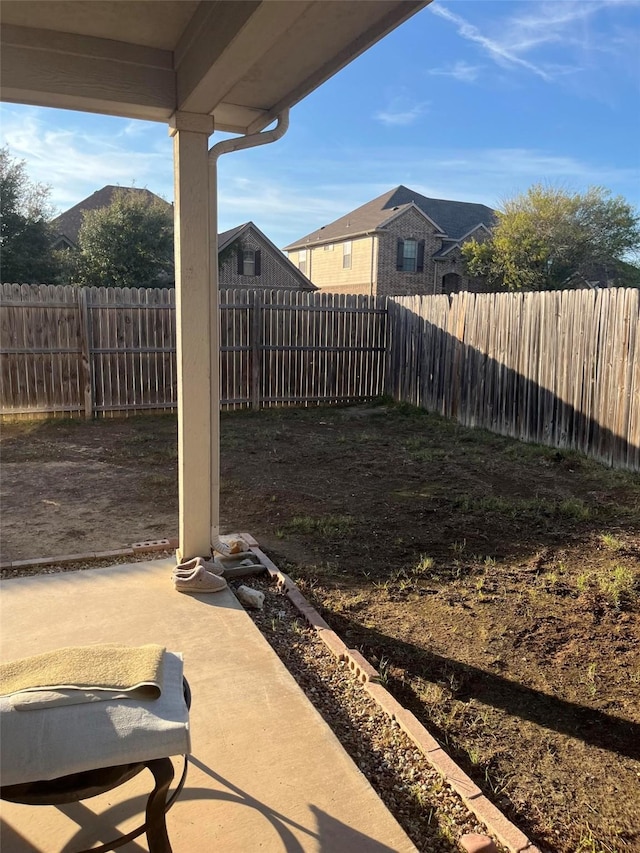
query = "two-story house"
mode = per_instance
[{"x": 398, "y": 244}]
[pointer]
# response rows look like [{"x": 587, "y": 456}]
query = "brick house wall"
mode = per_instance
[
  {"x": 325, "y": 265},
  {"x": 275, "y": 273},
  {"x": 411, "y": 225},
  {"x": 453, "y": 264}
]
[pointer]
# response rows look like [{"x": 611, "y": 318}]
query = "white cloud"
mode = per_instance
[
  {"x": 461, "y": 71},
  {"x": 556, "y": 41},
  {"x": 76, "y": 163},
  {"x": 401, "y": 113},
  {"x": 500, "y": 53}
]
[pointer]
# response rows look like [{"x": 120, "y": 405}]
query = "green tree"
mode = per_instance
[
  {"x": 26, "y": 256},
  {"x": 546, "y": 236},
  {"x": 127, "y": 244}
]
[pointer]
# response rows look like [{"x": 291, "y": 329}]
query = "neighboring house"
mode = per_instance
[
  {"x": 400, "y": 243},
  {"x": 66, "y": 227},
  {"x": 600, "y": 275},
  {"x": 249, "y": 259}
]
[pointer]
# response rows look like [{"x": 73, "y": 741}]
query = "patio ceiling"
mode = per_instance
[{"x": 243, "y": 62}]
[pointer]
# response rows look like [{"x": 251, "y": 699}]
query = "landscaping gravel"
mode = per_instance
[{"x": 429, "y": 811}]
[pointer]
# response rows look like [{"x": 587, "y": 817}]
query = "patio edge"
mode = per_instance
[
  {"x": 146, "y": 547},
  {"x": 496, "y": 822}
]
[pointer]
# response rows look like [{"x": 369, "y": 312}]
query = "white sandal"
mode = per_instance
[{"x": 197, "y": 580}]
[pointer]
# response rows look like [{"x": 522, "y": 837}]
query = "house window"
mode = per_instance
[
  {"x": 248, "y": 261},
  {"x": 346, "y": 255},
  {"x": 302, "y": 261},
  {"x": 328, "y": 247},
  {"x": 410, "y": 256}
]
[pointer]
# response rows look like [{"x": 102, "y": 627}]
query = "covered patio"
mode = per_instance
[{"x": 266, "y": 771}]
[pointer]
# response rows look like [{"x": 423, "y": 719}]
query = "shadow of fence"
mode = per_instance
[{"x": 559, "y": 368}]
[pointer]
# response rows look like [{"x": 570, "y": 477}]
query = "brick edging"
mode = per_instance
[
  {"x": 148, "y": 546},
  {"x": 490, "y": 815}
]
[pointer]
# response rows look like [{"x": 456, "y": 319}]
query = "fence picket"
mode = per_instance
[{"x": 562, "y": 368}]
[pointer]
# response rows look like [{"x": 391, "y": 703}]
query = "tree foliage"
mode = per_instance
[
  {"x": 25, "y": 236},
  {"x": 127, "y": 244},
  {"x": 547, "y": 236}
]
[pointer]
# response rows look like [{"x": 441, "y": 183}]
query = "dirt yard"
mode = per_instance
[{"x": 496, "y": 585}]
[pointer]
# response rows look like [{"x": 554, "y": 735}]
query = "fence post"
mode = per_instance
[
  {"x": 256, "y": 349},
  {"x": 390, "y": 318},
  {"x": 85, "y": 339}
]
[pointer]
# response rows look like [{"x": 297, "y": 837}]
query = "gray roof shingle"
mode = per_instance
[
  {"x": 455, "y": 218},
  {"x": 68, "y": 224}
]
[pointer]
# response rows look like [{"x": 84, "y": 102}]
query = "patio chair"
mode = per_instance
[{"x": 69, "y": 726}]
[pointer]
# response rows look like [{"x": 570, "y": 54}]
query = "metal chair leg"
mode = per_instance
[{"x": 162, "y": 769}]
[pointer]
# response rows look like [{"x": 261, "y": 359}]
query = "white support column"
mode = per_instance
[{"x": 197, "y": 323}]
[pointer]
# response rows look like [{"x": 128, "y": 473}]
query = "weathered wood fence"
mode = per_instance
[
  {"x": 111, "y": 351},
  {"x": 558, "y": 368}
]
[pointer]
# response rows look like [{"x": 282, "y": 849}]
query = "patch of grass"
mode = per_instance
[
  {"x": 159, "y": 481},
  {"x": 590, "y": 679},
  {"x": 611, "y": 542},
  {"x": 496, "y": 505},
  {"x": 328, "y": 525},
  {"x": 420, "y": 450},
  {"x": 619, "y": 586},
  {"x": 574, "y": 508},
  {"x": 424, "y": 565},
  {"x": 459, "y": 547},
  {"x": 429, "y": 454},
  {"x": 384, "y": 670},
  {"x": 351, "y": 603},
  {"x": 424, "y": 493},
  {"x": 588, "y": 843}
]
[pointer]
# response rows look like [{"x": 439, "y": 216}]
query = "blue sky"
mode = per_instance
[{"x": 472, "y": 100}]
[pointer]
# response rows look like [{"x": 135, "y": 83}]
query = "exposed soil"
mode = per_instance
[
  {"x": 495, "y": 584},
  {"x": 429, "y": 811}
]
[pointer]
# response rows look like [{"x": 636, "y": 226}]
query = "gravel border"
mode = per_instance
[{"x": 428, "y": 809}]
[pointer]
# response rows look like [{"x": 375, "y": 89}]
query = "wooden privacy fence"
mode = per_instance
[
  {"x": 111, "y": 351},
  {"x": 559, "y": 368}
]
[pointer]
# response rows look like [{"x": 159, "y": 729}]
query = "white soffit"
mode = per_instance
[{"x": 242, "y": 61}]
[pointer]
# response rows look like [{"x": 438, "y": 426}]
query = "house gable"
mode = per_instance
[
  {"x": 401, "y": 211},
  {"x": 406, "y": 246},
  {"x": 264, "y": 267}
]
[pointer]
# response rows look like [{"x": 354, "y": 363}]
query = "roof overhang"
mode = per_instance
[
  {"x": 242, "y": 61},
  {"x": 339, "y": 238}
]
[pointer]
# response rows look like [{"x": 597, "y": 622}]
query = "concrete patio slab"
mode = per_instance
[{"x": 267, "y": 773}]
